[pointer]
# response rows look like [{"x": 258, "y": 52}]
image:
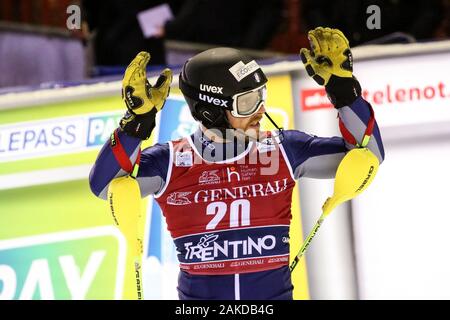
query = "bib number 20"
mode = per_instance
[{"x": 239, "y": 213}]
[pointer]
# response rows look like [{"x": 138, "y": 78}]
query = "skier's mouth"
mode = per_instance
[{"x": 255, "y": 124}]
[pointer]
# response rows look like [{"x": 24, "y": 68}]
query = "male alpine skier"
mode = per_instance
[{"x": 227, "y": 207}]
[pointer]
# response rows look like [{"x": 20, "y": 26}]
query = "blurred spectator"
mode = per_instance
[
  {"x": 418, "y": 18},
  {"x": 443, "y": 31},
  {"x": 235, "y": 23},
  {"x": 28, "y": 58},
  {"x": 36, "y": 48},
  {"x": 118, "y": 36}
]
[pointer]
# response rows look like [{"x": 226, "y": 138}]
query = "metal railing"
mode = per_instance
[{"x": 7, "y": 26}]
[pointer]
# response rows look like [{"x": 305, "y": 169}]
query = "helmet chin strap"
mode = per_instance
[
  {"x": 280, "y": 135},
  {"x": 273, "y": 122}
]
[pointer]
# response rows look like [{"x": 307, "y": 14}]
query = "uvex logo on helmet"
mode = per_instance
[
  {"x": 211, "y": 100},
  {"x": 213, "y": 89}
]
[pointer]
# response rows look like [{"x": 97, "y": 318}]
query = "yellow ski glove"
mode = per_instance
[
  {"x": 329, "y": 55},
  {"x": 142, "y": 99},
  {"x": 139, "y": 96}
]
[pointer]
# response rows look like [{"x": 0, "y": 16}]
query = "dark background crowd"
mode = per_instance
[
  {"x": 279, "y": 25},
  {"x": 110, "y": 28}
]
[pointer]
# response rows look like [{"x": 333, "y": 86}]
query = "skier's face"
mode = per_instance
[{"x": 249, "y": 125}]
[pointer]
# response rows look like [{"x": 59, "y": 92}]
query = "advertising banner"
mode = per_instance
[
  {"x": 401, "y": 91},
  {"x": 57, "y": 240}
]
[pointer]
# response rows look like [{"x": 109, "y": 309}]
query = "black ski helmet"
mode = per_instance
[{"x": 210, "y": 79}]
